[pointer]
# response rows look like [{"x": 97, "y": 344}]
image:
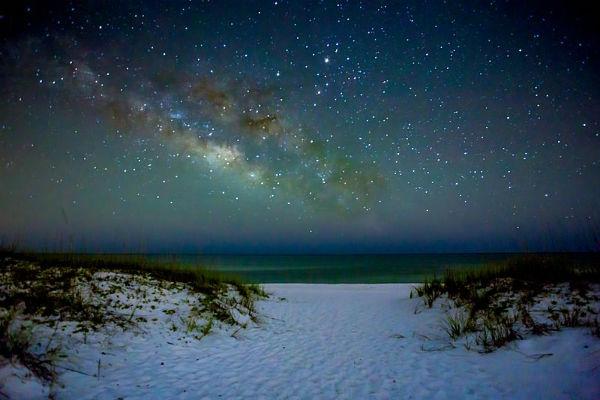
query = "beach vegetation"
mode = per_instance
[
  {"x": 16, "y": 342},
  {"x": 458, "y": 323},
  {"x": 90, "y": 292},
  {"x": 502, "y": 301}
]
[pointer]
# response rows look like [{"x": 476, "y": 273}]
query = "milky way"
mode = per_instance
[
  {"x": 186, "y": 110},
  {"x": 300, "y": 126}
]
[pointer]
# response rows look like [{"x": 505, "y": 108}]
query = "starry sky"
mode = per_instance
[{"x": 300, "y": 126}]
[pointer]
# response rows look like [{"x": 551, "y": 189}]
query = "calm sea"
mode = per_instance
[{"x": 335, "y": 268}]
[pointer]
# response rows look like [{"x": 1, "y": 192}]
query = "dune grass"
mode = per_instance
[
  {"x": 500, "y": 302},
  {"x": 93, "y": 291},
  {"x": 48, "y": 281},
  {"x": 16, "y": 341},
  {"x": 201, "y": 279}
]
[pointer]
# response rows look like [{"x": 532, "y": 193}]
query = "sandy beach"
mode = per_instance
[
  {"x": 299, "y": 200},
  {"x": 320, "y": 341}
]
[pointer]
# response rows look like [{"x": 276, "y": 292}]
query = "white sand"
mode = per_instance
[{"x": 329, "y": 342}]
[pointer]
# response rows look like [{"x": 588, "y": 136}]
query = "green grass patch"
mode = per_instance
[{"x": 495, "y": 300}]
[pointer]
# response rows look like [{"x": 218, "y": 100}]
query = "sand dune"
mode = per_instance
[{"x": 329, "y": 342}]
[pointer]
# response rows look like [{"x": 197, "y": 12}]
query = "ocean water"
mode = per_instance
[{"x": 402, "y": 268}]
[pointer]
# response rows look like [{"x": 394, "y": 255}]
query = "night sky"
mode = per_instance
[{"x": 291, "y": 126}]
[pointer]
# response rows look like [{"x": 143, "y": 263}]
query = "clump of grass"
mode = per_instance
[
  {"x": 571, "y": 317},
  {"x": 496, "y": 297},
  {"x": 430, "y": 291},
  {"x": 207, "y": 327},
  {"x": 16, "y": 342},
  {"x": 496, "y": 332},
  {"x": 458, "y": 324},
  {"x": 191, "y": 324}
]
